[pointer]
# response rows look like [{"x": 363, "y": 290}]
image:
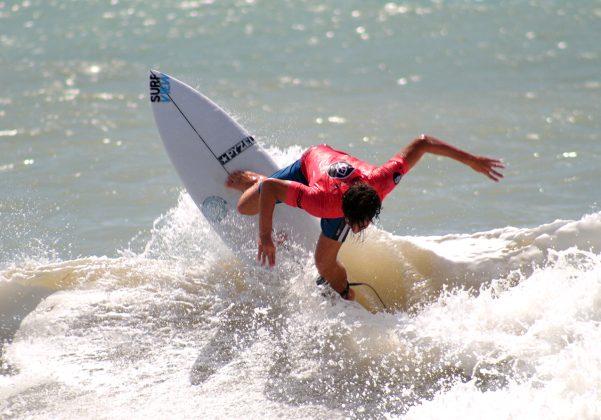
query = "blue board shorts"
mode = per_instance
[{"x": 335, "y": 228}]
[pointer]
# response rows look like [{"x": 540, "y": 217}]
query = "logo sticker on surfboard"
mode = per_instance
[
  {"x": 214, "y": 208},
  {"x": 160, "y": 88},
  {"x": 236, "y": 149}
]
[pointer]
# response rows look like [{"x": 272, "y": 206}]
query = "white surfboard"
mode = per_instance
[{"x": 205, "y": 145}]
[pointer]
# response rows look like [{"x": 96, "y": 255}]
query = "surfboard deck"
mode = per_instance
[{"x": 205, "y": 145}]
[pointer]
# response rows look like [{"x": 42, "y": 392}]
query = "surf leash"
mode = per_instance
[
  {"x": 320, "y": 281},
  {"x": 373, "y": 290}
]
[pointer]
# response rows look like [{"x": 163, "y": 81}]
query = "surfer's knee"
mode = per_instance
[
  {"x": 248, "y": 204},
  {"x": 246, "y": 210}
]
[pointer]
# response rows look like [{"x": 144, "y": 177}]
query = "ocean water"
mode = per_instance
[{"x": 118, "y": 301}]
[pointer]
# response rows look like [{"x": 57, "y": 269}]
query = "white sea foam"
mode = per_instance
[{"x": 505, "y": 315}]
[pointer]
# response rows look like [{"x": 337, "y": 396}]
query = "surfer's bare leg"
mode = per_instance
[
  {"x": 328, "y": 266},
  {"x": 247, "y": 183}
]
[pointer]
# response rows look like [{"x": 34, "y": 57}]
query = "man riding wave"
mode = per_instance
[{"x": 345, "y": 192}]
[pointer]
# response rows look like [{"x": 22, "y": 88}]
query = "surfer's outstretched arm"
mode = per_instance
[{"x": 428, "y": 144}]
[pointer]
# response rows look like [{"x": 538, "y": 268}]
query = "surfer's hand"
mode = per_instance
[
  {"x": 351, "y": 295},
  {"x": 266, "y": 251},
  {"x": 487, "y": 166}
]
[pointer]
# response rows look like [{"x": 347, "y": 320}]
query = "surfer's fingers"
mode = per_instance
[
  {"x": 489, "y": 162},
  {"x": 232, "y": 178},
  {"x": 497, "y": 174},
  {"x": 272, "y": 259},
  {"x": 495, "y": 164},
  {"x": 488, "y": 167},
  {"x": 261, "y": 255},
  {"x": 494, "y": 175}
]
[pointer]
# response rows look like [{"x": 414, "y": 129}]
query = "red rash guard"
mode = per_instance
[{"x": 330, "y": 173}]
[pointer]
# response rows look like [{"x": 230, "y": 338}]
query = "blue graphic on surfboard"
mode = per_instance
[{"x": 205, "y": 145}]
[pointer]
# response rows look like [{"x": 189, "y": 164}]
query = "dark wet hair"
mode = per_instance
[{"x": 361, "y": 203}]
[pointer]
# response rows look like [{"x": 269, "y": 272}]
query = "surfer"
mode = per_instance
[{"x": 345, "y": 192}]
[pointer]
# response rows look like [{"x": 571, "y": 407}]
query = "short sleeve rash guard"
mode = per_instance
[{"x": 330, "y": 173}]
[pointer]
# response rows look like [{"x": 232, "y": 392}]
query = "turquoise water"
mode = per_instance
[{"x": 93, "y": 216}]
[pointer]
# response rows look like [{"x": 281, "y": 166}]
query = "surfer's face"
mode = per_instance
[{"x": 358, "y": 227}]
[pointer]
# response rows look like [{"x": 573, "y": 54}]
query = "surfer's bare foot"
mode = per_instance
[{"x": 243, "y": 180}]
